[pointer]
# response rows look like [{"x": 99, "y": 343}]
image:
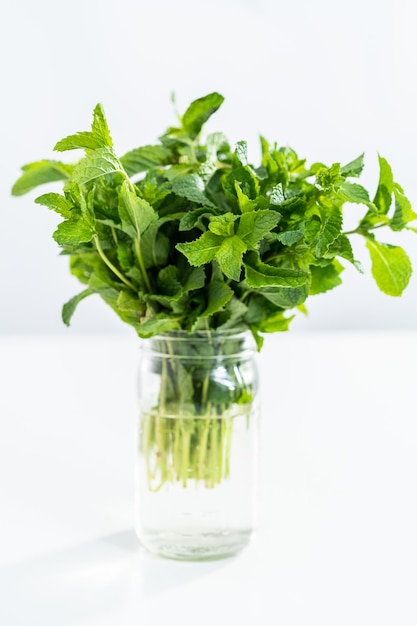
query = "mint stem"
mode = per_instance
[{"x": 111, "y": 266}]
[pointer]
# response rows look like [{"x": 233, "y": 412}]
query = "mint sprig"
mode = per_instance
[{"x": 189, "y": 234}]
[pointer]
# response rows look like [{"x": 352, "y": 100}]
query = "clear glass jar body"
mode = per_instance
[{"x": 196, "y": 473}]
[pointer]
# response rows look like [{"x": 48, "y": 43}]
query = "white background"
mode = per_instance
[
  {"x": 330, "y": 79},
  {"x": 337, "y": 543}
]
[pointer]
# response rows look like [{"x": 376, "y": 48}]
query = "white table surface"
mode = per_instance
[{"x": 337, "y": 541}]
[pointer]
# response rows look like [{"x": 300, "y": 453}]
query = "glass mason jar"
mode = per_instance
[{"x": 198, "y": 444}]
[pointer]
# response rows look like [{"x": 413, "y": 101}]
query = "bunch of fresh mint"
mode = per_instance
[{"x": 188, "y": 234}]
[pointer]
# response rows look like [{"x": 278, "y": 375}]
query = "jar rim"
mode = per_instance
[{"x": 215, "y": 337}]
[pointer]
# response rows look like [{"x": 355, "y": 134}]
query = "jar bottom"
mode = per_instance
[{"x": 195, "y": 545}]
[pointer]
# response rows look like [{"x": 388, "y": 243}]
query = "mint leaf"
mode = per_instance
[
  {"x": 192, "y": 188},
  {"x": 99, "y": 137},
  {"x": 330, "y": 230},
  {"x": 98, "y": 163},
  {"x": 199, "y": 112},
  {"x": 232, "y": 314},
  {"x": 241, "y": 152},
  {"x": 391, "y": 267},
  {"x": 403, "y": 213},
  {"x": 193, "y": 279},
  {"x": 259, "y": 274},
  {"x": 145, "y": 158},
  {"x": 290, "y": 237},
  {"x": 70, "y": 306},
  {"x": 168, "y": 282},
  {"x": 130, "y": 305},
  {"x": 83, "y": 140},
  {"x": 229, "y": 256},
  {"x": 352, "y": 192},
  {"x": 343, "y": 248},
  {"x": 245, "y": 204},
  {"x": 100, "y": 129},
  {"x": 219, "y": 295},
  {"x": 247, "y": 182},
  {"x": 354, "y": 168},
  {"x": 223, "y": 224},
  {"x": 383, "y": 196},
  {"x": 55, "y": 202},
  {"x": 276, "y": 323},
  {"x": 285, "y": 297},
  {"x": 329, "y": 177},
  {"x": 193, "y": 219},
  {"x": 325, "y": 278},
  {"x": 39, "y": 173},
  {"x": 155, "y": 246},
  {"x": 203, "y": 250},
  {"x": 254, "y": 225},
  {"x": 125, "y": 255},
  {"x": 157, "y": 325},
  {"x": 135, "y": 213},
  {"x": 73, "y": 231},
  {"x": 277, "y": 195}
]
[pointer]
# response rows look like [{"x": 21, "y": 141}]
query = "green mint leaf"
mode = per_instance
[
  {"x": 135, "y": 213},
  {"x": 193, "y": 279},
  {"x": 215, "y": 143},
  {"x": 383, "y": 196},
  {"x": 329, "y": 177},
  {"x": 254, "y": 225},
  {"x": 259, "y": 274},
  {"x": 391, "y": 267},
  {"x": 246, "y": 180},
  {"x": 325, "y": 278},
  {"x": 245, "y": 204},
  {"x": 229, "y": 257},
  {"x": 168, "y": 282},
  {"x": 285, "y": 297},
  {"x": 403, "y": 213},
  {"x": 55, "y": 202},
  {"x": 70, "y": 306},
  {"x": 223, "y": 224},
  {"x": 232, "y": 314},
  {"x": 99, "y": 137},
  {"x": 100, "y": 129},
  {"x": 157, "y": 325},
  {"x": 192, "y": 188},
  {"x": 330, "y": 230},
  {"x": 354, "y": 168},
  {"x": 125, "y": 255},
  {"x": 290, "y": 237},
  {"x": 277, "y": 195},
  {"x": 130, "y": 304},
  {"x": 73, "y": 231},
  {"x": 193, "y": 219},
  {"x": 98, "y": 163},
  {"x": 145, "y": 158},
  {"x": 219, "y": 294},
  {"x": 199, "y": 112},
  {"x": 343, "y": 248},
  {"x": 202, "y": 250},
  {"x": 154, "y": 246},
  {"x": 39, "y": 173},
  {"x": 275, "y": 323},
  {"x": 82, "y": 140},
  {"x": 352, "y": 192},
  {"x": 241, "y": 152}
]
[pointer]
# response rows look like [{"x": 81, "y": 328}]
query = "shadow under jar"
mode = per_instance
[{"x": 197, "y": 462}]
